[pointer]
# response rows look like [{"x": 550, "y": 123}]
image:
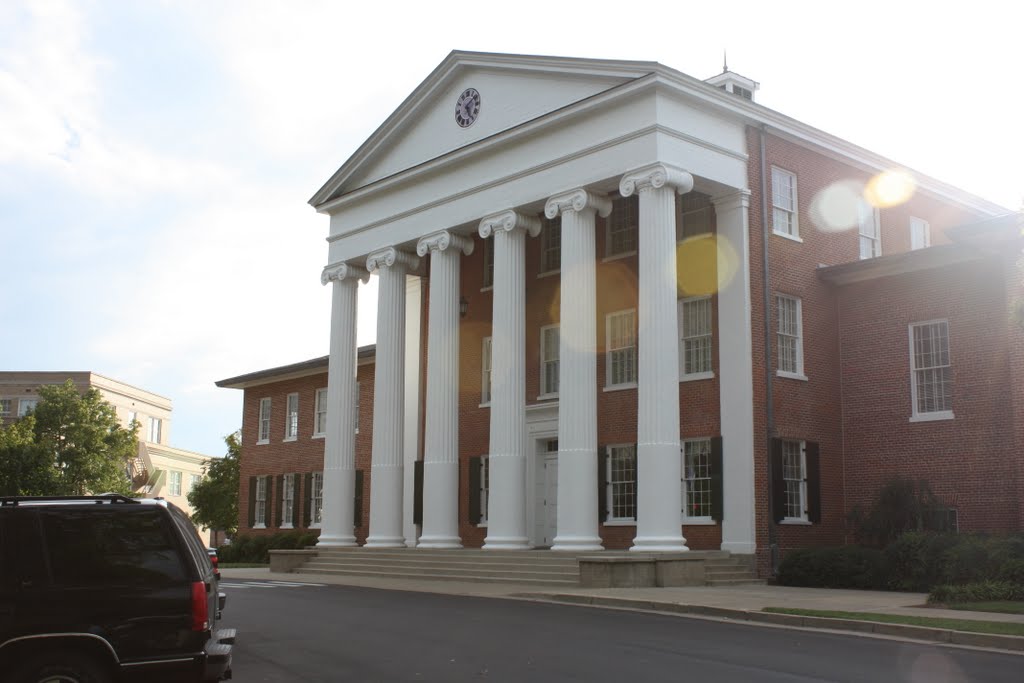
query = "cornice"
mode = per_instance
[
  {"x": 730, "y": 200},
  {"x": 339, "y": 272},
  {"x": 509, "y": 221},
  {"x": 441, "y": 240},
  {"x": 653, "y": 177},
  {"x": 577, "y": 200},
  {"x": 388, "y": 257}
]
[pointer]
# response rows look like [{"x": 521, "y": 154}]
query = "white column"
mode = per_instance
[
  {"x": 340, "y": 441},
  {"x": 441, "y": 442},
  {"x": 577, "y": 365},
  {"x": 659, "y": 470},
  {"x": 506, "y": 511},
  {"x": 388, "y": 395},
  {"x": 735, "y": 369}
]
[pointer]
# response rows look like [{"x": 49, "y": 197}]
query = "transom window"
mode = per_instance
[
  {"x": 551, "y": 245},
  {"x": 697, "y": 485},
  {"x": 316, "y": 499},
  {"x": 287, "y": 500},
  {"x": 621, "y": 343},
  {"x": 291, "y": 421},
  {"x": 488, "y": 263},
  {"x": 260, "y": 509},
  {"x": 621, "y": 476},
  {"x": 549, "y": 361},
  {"x": 932, "y": 386},
  {"x": 485, "y": 373},
  {"x": 794, "y": 473},
  {"x": 264, "y": 425},
  {"x": 868, "y": 226},
  {"x": 622, "y": 227},
  {"x": 320, "y": 421},
  {"x": 920, "y": 233},
  {"x": 695, "y": 336},
  {"x": 790, "y": 336},
  {"x": 784, "y": 220}
]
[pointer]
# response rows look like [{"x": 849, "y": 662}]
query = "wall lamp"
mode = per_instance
[{"x": 463, "y": 307}]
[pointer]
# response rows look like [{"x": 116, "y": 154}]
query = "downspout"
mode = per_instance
[{"x": 769, "y": 409}]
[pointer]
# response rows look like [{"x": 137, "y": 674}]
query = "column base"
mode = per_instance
[
  {"x": 576, "y": 544},
  {"x": 385, "y": 542},
  {"x": 508, "y": 543},
  {"x": 676, "y": 544},
  {"x": 337, "y": 542},
  {"x": 439, "y": 542}
]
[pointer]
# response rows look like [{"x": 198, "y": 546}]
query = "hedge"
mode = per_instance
[
  {"x": 982, "y": 591},
  {"x": 256, "y": 548}
]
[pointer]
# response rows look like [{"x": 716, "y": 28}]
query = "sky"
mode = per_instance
[{"x": 156, "y": 157}]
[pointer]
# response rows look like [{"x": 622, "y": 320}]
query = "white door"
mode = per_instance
[{"x": 547, "y": 493}]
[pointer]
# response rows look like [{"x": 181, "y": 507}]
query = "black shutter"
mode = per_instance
[
  {"x": 602, "y": 484},
  {"x": 252, "y": 502},
  {"x": 474, "y": 490},
  {"x": 812, "y": 454},
  {"x": 778, "y": 499},
  {"x": 717, "y": 501},
  {"x": 295, "y": 499},
  {"x": 277, "y": 501},
  {"x": 359, "y": 499},
  {"x": 307, "y": 504},
  {"x": 417, "y": 492}
]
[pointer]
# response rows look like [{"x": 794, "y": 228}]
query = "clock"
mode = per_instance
[{"x": 467, "y": 108}]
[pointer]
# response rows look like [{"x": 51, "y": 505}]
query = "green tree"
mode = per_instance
[
  {"x": 26, "y": 469},
  {"x": 215, "y": 498}
]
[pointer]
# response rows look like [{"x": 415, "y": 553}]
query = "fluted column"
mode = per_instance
[
  {"x": 577, "y": 365},
  {"x": 337, "y": 519},
  {"x": 506, "y": 513},
  {"x": 441, "y": 441},
  {"x": 388, "y": 395},
  {"x": 659, "y": 470}
]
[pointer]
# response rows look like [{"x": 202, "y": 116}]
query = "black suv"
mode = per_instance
[{"x": 106, "y": 588}]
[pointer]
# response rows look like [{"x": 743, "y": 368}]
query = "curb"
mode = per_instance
[{"x": 937, "y": 635}]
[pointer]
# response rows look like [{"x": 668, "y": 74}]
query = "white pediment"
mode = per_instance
[{"x": 513, "y": 90}]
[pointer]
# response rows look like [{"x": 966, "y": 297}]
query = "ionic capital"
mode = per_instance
[
  {"x": 339, "y": 272},
  {"x": 385, "y": 258},
  {"x": 509, "y": 221},
  {"x": 653, "y": 177},
  {"x": 577, "y": 200},
  {"x": 441, "y": 240}
]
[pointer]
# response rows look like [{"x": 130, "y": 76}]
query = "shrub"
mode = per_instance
[
  {"x": 915, "y": 560},
  {"x": 256, "y": 548},
  {"x": 981, "y": 591},
  {"x": 841, "y": 567},
  {"x": 902, "y": 505}
]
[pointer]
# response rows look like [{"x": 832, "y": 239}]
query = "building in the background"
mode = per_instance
[{"x": 158, "y": 470}]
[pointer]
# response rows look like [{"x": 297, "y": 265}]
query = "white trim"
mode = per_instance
[
  {"x": 697, "y": 376},
  {"x": 933, "y": 417},
  {"x": 320, "y": 408},
  {"x": 926, "y": 233},
  {"x": 875, "y": 236},
  {"x": 291, "y": 416},
  {"x": 620, "y": 387},
  {"x": 611, "y": 519},
  {"x": 263, "y": 418},
  {"x": 796, "y": 522},
  {"x": 619, "y": 522},
  {"x": 616, "y": 257},
  {"x": 802, "y": 446},
  {"x": 681, "y": 305},
  {"x": 791, "y": 375},
  {"x": 608, "y": 318},
  {"x": 544, "y": 361},
  {"x": 706, "y": 520},
  {"x": 789, "y": 237},
  {"x": 798, "y": 373},
  {"x": 486, "y": 368},
  {"x": 936, "y": 415},
  {"x": 793, "y": 212}
]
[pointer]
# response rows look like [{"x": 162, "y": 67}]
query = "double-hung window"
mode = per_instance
[
  {"x": 316, "y": 499},
  {"x": 263, "y": 435},
  {"x": 695, "y": 338},
  {"x": 485, "y": 487},
  {"x": 932, "y": 382},
  {"x": 549, "y": 361},
  {"x": 260, "y": 508},
  {"x": 621, "y": 477},
  {"x": 320, "y": 420},
  {"x": 193, "y": 481},
  {"x": 485, "y": 373},
  {"x": 784, "y": 215},
  {"x": 870, "y": 233},
  {"x": 794, "y": 474},
  {"x": 622, "y": 235},
  {"x": 174, "y": 485},
  {"x": 620, "y": 337},
  {"x": 5, "y": 407},
  {"x": 27, "y": 405},
  {"x": 920, "y": 233},
  {"x": 697, "y": 484},
  {"x": 551, "y": 246},
  {"x": 488, "y": 280},
  {"x": 291, "y": 420},
  {"x": 790, "y": 337},
  {"x": 287, "y": 501},
  {"x": 155, "y": 428},
  {"x": 355, "y": 404}
]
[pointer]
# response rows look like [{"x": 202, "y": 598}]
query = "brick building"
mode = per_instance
[{"x": 766, "y": 323}]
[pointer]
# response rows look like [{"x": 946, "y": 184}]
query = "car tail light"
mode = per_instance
[{"x": 200, "y": 610}]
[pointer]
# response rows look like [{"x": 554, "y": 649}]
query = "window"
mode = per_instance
[
  {"x": 132, "y": 417},
  {"x": 485, "y": 487},
  {"x": 695, "y": 337},
  {"x": 784, "y": 220},
  {"x": 549, "y": 361},
  {"x": 193, "y": 481},
  {"x": 920, "y": 233},
  {"x": 488, "y": 263},
  {"x": 264, "y": 424},
  {"x": 287, "y": 501},
  {"x": 622, "y": 227},
  {"x": 320, "y": 421},
  {"x": 551, "y": 245},
  {"x": 790, "y": 337},
  {"x": 291, "y": 420},
  {"x": 870, "y": 237},
  {"x": 794, "y": 474},
  {"x": 621, "y": 343},
  {"x": 260, "y": 510},
  {"x": 27, "y": 405},
  {"x": 174, "y": 487},
  {"x": 316, "y": 495},
  {"x": 622, "y": 482},
  {"x": 696, "y": 216},
  {"x": 932, "y": 385},
  {"x": 485, "y": 372},
  {"x": 5, "y": 407},
  {"x": 697, "y": 484},
  {"x": 355, "y": 407},
  {"x": 155, "y": 428}
]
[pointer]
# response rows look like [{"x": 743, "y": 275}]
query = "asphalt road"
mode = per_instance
[{"x": 299, "y": 633}]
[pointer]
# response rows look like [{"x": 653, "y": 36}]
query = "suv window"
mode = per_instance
[
  {"x": 107, "y": 547},
  {"x": 23, "y": 561}
]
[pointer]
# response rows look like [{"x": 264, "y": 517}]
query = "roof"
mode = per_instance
[
  {"x": 899, "y": 264},
  {"x": 366, "y": 354}
]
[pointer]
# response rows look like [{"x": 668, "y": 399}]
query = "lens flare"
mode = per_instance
[
  {"x": 835, "y": 208},
  {"x": 705, "y": 264},
  {"x": 890, "y": 188}
]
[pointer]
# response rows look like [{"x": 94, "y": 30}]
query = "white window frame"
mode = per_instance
[
  {"x": 610, "y": 472},
  {"x": 869, "y": 227},
  {"x": 5, "y": 407},
  {"x": 797, "y": 335},
  {"x": 551, "y": 247},
  {"x": 617, "y": 224},
  {"x": 488, "y": 256},
  {"x": 917, "y": 415},
  {"x": 485, "y": 372},
  {"x": 320, "y": 413},
  {"x": 920, "y": 233},
  {"x": 316, "y": 500},
  {"x": 193, "y": 480},
  {"x": 133, "y": 416},
  {"x": 260, "y": 509},
  {"x": 355, "y": 407},
  {"x": 174, "y": 483},
  {"x": 291, "y": 417},
  {"x": 485, "y": 488},
  {"x": 784, "y": 208},
  {"x": 25, "y": 405},
  {"x": 549, "y": 366},
  {"x": 685, "y": 479},
  {"x": 263, "y": 423},
  {"x": 688, "y": 339},
  {"x": 156, "y": 426},
  {"x": 287, "y": 501},
  {"x": 629, "y": 351},
  {"x": 800, "y": 484}
]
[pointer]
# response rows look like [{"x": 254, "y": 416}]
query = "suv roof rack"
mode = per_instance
[{"x": 6, "y": 501}]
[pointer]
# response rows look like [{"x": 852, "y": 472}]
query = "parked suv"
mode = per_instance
[{"x": 95, "y": 589}]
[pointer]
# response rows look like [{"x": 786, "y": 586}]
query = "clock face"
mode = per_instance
[{"x": 467, "y": 108}]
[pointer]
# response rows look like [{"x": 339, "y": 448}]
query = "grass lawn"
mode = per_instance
[
  {"x": 1003, "y": 606},
  {"x": 969, "y": 625},
  {"x": 242, "y": 565}
]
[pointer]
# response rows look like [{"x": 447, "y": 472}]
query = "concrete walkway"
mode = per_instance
[{"x": 741, "y": 602}]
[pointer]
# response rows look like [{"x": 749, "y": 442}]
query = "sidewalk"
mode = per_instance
[{"x": 742, "y": 602}]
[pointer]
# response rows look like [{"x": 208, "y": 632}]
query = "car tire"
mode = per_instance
[{"x": 62, "y": 668}]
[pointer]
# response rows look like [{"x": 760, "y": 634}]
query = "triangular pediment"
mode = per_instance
[{"x": 513, "y": 90}]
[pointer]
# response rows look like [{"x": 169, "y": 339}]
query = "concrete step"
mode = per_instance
[
  {"x": 735, "y": 582},
  {"x": 737, "y": 574},
  {"x": 533, "y": 581},
  {"x": 417, "y": 558},
  {"x": 439, "y": 570},
  {"x": 443, "y": 564}
]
